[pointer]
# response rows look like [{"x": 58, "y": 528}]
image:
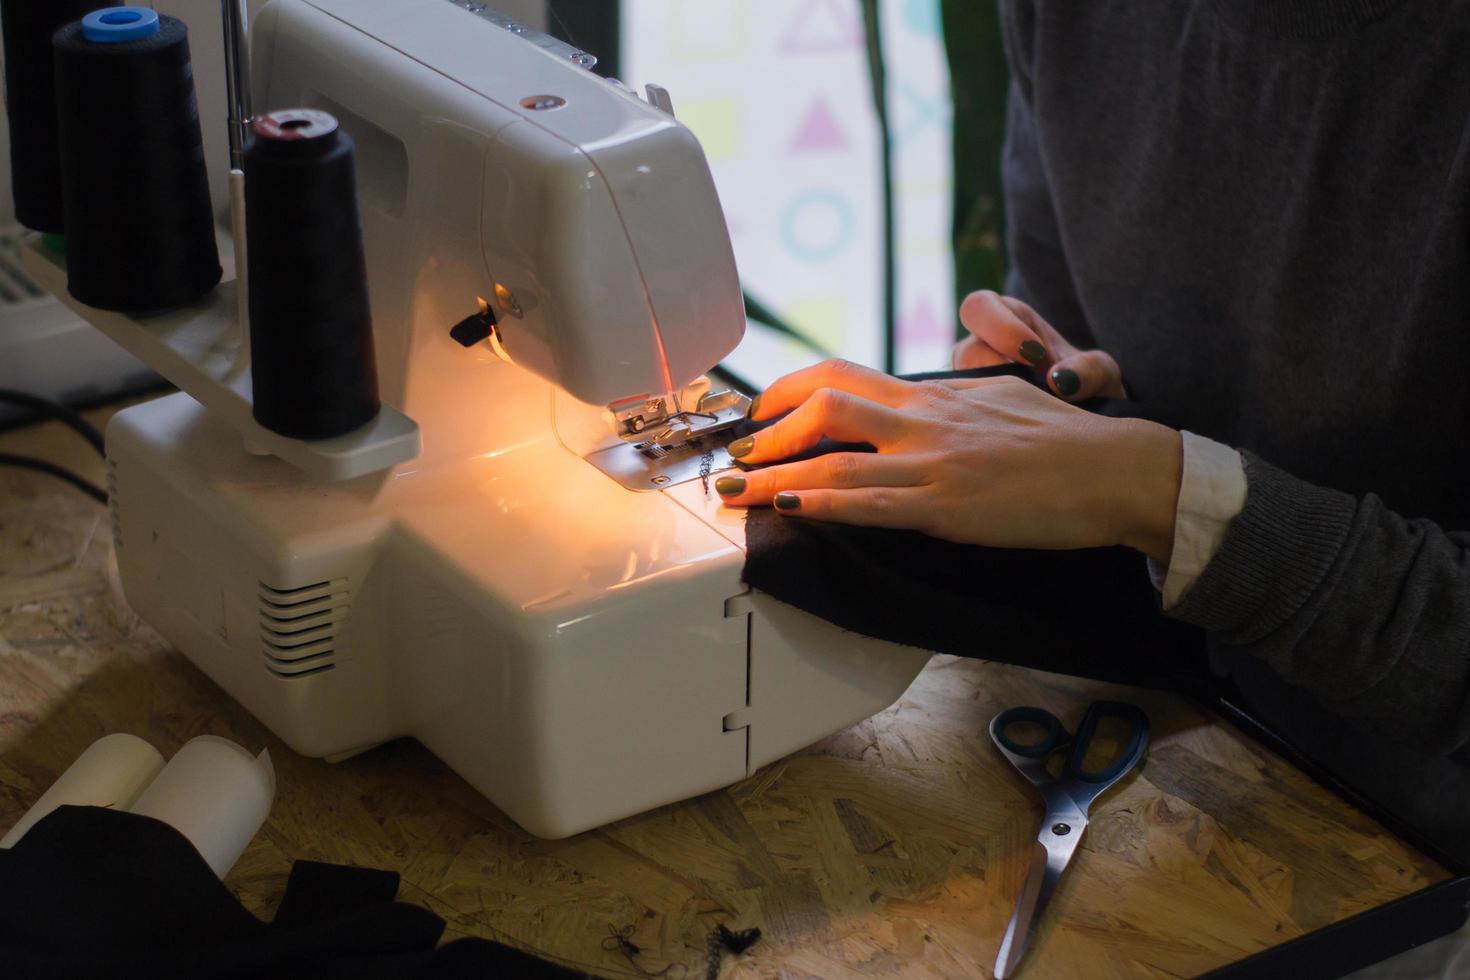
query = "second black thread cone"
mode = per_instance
[{"x": 311, "y": 337}]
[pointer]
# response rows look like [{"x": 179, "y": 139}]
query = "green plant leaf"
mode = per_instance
[{"x": 758, "y": 311}]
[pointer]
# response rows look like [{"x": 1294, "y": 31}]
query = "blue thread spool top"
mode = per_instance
[{"x": 111, "y": 25}]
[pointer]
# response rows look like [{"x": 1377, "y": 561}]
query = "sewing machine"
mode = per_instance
[{"x": 547, "y": 595}]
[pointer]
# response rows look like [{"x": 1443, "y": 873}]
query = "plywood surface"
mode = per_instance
[{"x": 895, "y": 848}]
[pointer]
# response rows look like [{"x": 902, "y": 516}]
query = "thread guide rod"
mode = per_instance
[
  {"x": 237, "y": 76},
  {"x": 236, "y": 22}
]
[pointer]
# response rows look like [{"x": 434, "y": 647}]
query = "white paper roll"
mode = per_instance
[
  {"x": 214, "y": 793},
  {"x": 112, "y": 772}
]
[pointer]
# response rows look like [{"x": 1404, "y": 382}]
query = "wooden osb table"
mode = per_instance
[{"x": 895, "y": 848}]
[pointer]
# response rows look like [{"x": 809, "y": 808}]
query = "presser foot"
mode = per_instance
[
  {"x": 659, "y": 422},
  {"x": 681, "y": 446}
]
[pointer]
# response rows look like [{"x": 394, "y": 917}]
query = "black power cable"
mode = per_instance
[
  {"x": 60, "y": 472},
  {"x": 46, "y": 408}
]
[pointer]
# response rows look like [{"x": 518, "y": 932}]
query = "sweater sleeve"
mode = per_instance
[{"x": 1367, "y": 610}]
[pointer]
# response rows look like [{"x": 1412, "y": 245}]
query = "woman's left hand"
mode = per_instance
[{"x": 991, "y": 461}]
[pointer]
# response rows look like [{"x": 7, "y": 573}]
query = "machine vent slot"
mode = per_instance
[
  {"x": 112, "y": 511},
  {"x": 298, "y": 626}
]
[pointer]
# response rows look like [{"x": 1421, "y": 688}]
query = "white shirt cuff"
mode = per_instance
[{"x": 1211, "y": 493}]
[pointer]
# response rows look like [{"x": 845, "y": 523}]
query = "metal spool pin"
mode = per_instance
[{"x": 237, "y": 90}]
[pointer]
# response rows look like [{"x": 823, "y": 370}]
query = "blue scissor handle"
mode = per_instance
[
  {"x": 1056, "y": 735},
  {"x": 1137, "y": 740}
]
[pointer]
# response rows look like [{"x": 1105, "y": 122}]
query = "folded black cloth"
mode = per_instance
[
  {"x": 92, "y": 892},
  {"x": 1090, "y": 613}
]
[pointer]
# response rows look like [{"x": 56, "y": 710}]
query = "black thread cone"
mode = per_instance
[
  {"x": 139, "y": 228},
  {"x": 311, "y": 338},
  {"x": 30, "y": 104}
]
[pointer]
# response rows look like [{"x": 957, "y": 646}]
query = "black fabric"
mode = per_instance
[
  {"x": 1090, "y": 613},
  {"x": 92, "y": 892},
  {"x": 317, "y": 892}
]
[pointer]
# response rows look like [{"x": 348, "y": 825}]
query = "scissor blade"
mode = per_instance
[
  {"x": 1018, "y": 932},
  {"x": 1049, "y": 859}
]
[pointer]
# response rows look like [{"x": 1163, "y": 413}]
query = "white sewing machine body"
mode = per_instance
[{"x": 579, "y": 651}]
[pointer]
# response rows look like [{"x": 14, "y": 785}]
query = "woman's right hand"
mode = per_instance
[{"x": 1004, "y": 330}]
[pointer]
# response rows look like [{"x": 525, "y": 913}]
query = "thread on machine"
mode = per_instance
[
  {"x": 311, "y": 339},
  {"x": 723, "y": 940},
  {"x": 135, "y": 194},
  {"x": 620, "y": 941},
  {"x": 30, "y": 105}
]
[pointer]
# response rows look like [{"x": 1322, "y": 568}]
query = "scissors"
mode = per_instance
[{"x": 1067, "y": 795}]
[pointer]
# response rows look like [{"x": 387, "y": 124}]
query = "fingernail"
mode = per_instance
[
  {"x": 1033, "y": 351},
  {"x": 1066, "y": 381},
  {"x": 787, "y": 501},
  {"x": 729, "y": 486},
  {"x": 755, "y": 406},
  {"x": 740, "y": 447}
]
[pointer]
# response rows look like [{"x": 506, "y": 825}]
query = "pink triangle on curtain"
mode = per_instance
[
  {"x": 919, "y": 323},
  {"x": 818, "y": 130}
]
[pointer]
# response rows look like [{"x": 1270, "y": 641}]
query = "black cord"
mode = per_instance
[
  {"x": 46, "y": 408},
  {"x": 60, "y": 472},
  {"x": 878, "y": 76}
]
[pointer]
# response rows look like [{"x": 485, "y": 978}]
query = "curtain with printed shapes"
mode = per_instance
[{"x": 778, "y": 93}]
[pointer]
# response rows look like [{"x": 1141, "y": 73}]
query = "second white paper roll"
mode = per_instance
[
  {"x": 214, "y": 793},
  {"x": 112, "y": 772}
]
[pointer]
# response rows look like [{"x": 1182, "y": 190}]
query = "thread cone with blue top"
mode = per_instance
[
  {"x": 112, "y": 25},
  {"x": 139, "y": 225}
]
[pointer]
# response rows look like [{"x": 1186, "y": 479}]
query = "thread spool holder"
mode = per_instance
[{"x": 198, "y": 350}]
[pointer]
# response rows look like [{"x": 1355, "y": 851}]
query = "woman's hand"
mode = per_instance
[
  {"x": 1004, "y": 330},
  {"x": 990, "y": 461}
]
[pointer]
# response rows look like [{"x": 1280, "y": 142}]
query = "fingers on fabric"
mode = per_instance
[
  {"x": 896, "y": 507},
  {"x": 973, "y": 353},
  {"x": 1087, "y": 374},
  {"x": 1007, "y": 326},
  {"x": 796, "y": 388},
  {"x": 842, "y": 471},
  {"x": 827, "y": 413}
]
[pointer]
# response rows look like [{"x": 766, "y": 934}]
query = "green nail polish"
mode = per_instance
[
  {"x": 755, "y": 405},
  {"x": 1033, "y": 351},
  {"x": 741, "y": 446},
  {"x": 1066, "y": 381},
  {"x": 787, "y": 501},
  {"x": 729, "y": 486}
]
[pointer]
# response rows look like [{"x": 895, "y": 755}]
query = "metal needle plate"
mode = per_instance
[{"x": 635, "y": 470}]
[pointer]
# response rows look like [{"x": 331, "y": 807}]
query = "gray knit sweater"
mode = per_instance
[{"x": 1261, "y": 208}]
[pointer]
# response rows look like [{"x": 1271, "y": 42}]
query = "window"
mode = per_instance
[{"x": 778, "y": 93}]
